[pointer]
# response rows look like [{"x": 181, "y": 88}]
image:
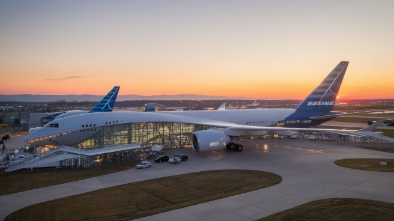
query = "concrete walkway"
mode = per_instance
[{"x": 306, "y": 167}]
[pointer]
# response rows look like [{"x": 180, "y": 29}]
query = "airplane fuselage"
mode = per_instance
[{"x": 74, "y": 129}]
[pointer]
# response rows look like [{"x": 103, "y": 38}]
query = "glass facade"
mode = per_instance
[{"x": 169, "y": 134}]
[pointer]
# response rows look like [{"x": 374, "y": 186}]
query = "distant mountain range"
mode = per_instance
[{"x": 87, "y": 97}]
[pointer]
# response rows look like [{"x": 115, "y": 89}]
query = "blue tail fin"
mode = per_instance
[
  {"x": 322, "y": 99},
  {"x": 108, "y": 102}
]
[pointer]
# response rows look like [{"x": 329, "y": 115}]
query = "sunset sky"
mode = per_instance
[{"x": 254, "y": 49}]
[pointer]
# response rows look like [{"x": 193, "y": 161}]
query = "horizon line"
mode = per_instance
[{"x": 176, "y": 97}]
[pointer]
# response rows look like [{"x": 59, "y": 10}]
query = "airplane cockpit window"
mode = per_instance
[{"x": 53, "y": 125}]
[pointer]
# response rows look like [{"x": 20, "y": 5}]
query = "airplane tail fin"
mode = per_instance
[
  {"x": 322, "y": 99},
  {"x": 108, "y": 102},
  {"x": 222, "y": 107}
]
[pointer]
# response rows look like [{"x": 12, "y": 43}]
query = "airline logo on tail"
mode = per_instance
[
  {"x": 108, "y": 102},
  {"x": 322, "y": 99}
]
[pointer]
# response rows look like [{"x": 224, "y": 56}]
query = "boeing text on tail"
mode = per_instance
[{"x": 317, "y": 107}]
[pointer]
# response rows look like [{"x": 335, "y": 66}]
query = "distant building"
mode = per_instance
[
  {"x": 385, "y": 103},
  {"x": 153, "y": 107}
]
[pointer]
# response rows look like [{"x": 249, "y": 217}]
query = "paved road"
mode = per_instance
[{"x": 306, "y": 167}]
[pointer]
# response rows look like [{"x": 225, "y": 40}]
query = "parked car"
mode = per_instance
[
  {"x": 388, "y": 122},
  {"x": 6, "y": 137},
  {"x": 183, "y": 157},
  {"x": 174, "y": 160},
  {"x": 143, "y": 165},
  {"x": 161, "y": 158}
]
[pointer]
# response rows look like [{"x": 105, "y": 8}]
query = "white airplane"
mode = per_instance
[
  {"x": 105, "y": 105},
  {"x": 229, "y": 125}
]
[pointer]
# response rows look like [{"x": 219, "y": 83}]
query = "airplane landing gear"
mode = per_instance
[{"x": 234, "y": 146}]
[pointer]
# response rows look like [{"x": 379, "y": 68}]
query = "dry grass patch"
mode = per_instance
[
  {"x": 337, "y": 209},
  {"x": 149, "y": 197},
  {"x": 367, "y": 164}
]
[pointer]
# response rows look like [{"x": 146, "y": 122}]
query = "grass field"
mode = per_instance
[
  {"x": 386, "y": 132},
  {"x": 363, "y": 116},
  {"x": 367, "y": 164},
  {"x": 150, "y": 197},
  {"x": 26, "y": 180},
  {"x": 354, "y": 119},
  {"x": 337, "y": 209},
  {"x": 387, "y": 150}
]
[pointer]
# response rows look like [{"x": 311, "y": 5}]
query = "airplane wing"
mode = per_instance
[
  {"x": 365, "y": 132},
  {"x": 236, "y": 130}
]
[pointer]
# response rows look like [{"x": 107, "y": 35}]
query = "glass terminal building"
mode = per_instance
[{"x": 169, "y": 134}]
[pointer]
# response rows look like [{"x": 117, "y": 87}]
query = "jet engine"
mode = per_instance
[{"x": 209, "y": 140}]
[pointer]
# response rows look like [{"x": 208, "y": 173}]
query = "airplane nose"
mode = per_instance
[
  {"x": 29, "y": 137},
  {"x": 26, "y": 138}
]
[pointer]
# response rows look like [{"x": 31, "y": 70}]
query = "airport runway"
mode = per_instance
[
  {"x": 347, "y": 125},
  {"x": 307, "y": 168}
]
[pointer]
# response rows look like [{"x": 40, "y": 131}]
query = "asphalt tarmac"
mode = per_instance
[
  {"x": 15, "y": 142},
  {"x": 306, "y": 167}
]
